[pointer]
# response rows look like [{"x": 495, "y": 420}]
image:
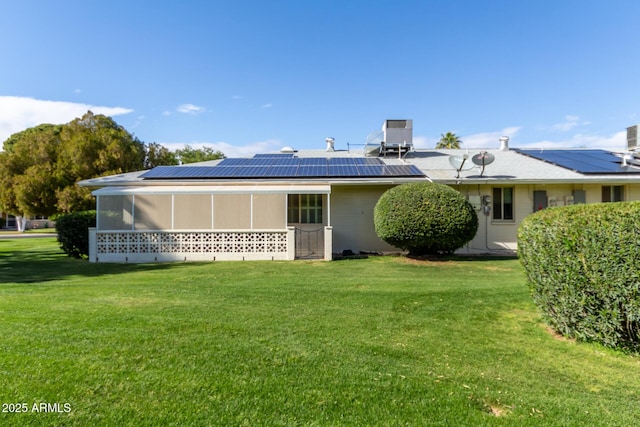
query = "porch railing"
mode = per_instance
[{"x": 150, "y": 246}]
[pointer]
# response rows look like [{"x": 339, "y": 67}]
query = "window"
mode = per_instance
[
  {"x": 612, "y": 193},
  {"x": 503, "y": 204},
  {"x": 304, "y": 208}
]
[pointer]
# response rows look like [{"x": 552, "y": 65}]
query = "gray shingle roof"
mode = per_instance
[{"x": 508, "y": 167}]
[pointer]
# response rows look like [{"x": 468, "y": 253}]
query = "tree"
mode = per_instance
[
  {"x": 40, "y": 166},
  {"x": 449, "y": 140},
  {"x": 95, "y": 145},
  {"x": 158, "y": 155},
  {"x": 425, "y": 218},
  {"x": 28, "y": 179},
  {"x": 193, "y": 155}
]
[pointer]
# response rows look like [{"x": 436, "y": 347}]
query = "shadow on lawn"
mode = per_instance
[
  {"x": 479, "y": 257},
  {"x": 43, "y": 265}
]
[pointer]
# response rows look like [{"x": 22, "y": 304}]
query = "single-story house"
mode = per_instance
[
  {"x": 316, "y": 203},
  {"x": 8, "y": 221}
]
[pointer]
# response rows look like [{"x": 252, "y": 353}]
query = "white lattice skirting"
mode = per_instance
[{"x": 152, "y": 246}]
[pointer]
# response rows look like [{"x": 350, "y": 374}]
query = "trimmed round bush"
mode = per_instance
[
  {"x": 425, "y": 218},
  {"x": 73, "y": 232},
  {"x": 581, "y": 264}
]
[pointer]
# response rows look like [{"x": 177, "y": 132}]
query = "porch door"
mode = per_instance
[
  {"x": 309, "y": 243},
  {"x": 305, "y": 213}
]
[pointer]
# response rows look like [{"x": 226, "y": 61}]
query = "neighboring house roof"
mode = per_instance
[{"x": 343, "y": 166}]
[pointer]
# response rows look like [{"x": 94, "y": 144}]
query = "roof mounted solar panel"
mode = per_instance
[
  {"x": 248, "y": 172},
  {"x": 337, "y": 161},
  {"x": 273, "y": 155},
  {"x": 260, "y": 161},
  {"x": 367, "y": 161},
  {"x": 402, "y": 170},
  {"x": 281, "y": 172},
  {"x": 157, "y": 172},
  {"x": 284, "y": 167},
  {"x": 315, "y": 170},
  {"x": 285, "y": 161},
  {"x": 371, "y": 170},
  {"x": 313, "y": 161},
  {"x": 590, "y": 161},
  {"x": 219, "y": 172},
  {"x": 232, "y": 162},
  {"x": 343, "y": 170}
]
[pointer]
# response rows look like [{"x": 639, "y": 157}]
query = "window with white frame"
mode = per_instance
[
  {"x": 304, "y": 209},
  {"x": 503, "y": 204}
]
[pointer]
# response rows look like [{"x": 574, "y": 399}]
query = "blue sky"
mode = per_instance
[{"x": 251, "y": 76}]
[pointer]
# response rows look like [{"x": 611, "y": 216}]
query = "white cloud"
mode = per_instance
[
  {"x": 266, "y": 106},
  {"x": 617, "y": 141},
  {"x": 423, "y": 143},
  {"x": 488, "y": 139},
  {"x": 476, "y": 140},
  {"x": 569, "y": 123},
  {"x": 190, "y": 109},
  {"x": 19, "y": 113},
  {"x": 230, "y": 150}
]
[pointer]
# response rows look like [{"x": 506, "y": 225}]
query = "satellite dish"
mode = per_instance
[
  {"x": 483, "y": 159},
  {"x": 459, "y": 163}
]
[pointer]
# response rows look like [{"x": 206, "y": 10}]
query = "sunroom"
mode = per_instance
[{"x": 211, "y": 222}]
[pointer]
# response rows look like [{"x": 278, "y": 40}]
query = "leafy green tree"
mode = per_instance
[
  {"x": 449, "y": 140},
  {"x": 189, "y": 154},
  {"x": 95, "y": 145},
  {"x": 158, "y": 155},
  {"x": 40, "y": 166},
  {"x": 27, "y": 177}
]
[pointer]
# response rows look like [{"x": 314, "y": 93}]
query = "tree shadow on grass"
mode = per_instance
[
  {"x": 447, "y": 258},
  {"x": 43, "y": 264}
]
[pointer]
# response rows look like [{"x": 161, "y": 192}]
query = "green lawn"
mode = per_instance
[{"x": 384, "y": 341}]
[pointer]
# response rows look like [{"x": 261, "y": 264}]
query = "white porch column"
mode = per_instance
[
  {"x": 291, "y": 243},
  {"x": 328, "y": 243},
  {"x": 93, "y": 249}
]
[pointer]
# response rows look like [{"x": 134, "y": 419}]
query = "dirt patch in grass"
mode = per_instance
[
  {"x": 429, "y": 261},
  {"x": 497, "y": 411},
  {"x": 557, "y": 335}
]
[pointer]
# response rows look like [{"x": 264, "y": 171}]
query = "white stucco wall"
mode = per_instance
[{"x": 352, "y": 218}]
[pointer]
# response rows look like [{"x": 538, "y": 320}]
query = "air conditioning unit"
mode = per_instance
[
  {"x": 568, "y": 200},
  {"x": 397, "y": 136},
  {"x": 551, "y": 202}
]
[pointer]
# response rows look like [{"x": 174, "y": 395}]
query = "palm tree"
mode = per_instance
[{"x": 450, "y": 140}]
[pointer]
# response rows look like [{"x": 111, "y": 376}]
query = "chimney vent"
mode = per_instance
[
  {"x": 330, "y": 143},
  {"x": 632, "y": 137},
  {"x": 504, "y": 143}
]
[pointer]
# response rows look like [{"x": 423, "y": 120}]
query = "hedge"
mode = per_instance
[
  {"x": 581, "y": 264},
  {"x": 425, "y": 218},
  {"x": 73, "y": 232}
]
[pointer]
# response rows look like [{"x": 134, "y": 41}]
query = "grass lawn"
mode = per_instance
[{"x": 383, "y": 341}]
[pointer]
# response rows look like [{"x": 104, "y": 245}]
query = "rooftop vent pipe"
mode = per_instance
[
  {"x": 330, "y": 143},
  {"x": 632, "y": 137},
  {"x": 504, "y": 143}
]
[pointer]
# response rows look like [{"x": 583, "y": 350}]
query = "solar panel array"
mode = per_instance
[
  {"x": 583, "y": 161},
  {"x": 286, "y": 166}
]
